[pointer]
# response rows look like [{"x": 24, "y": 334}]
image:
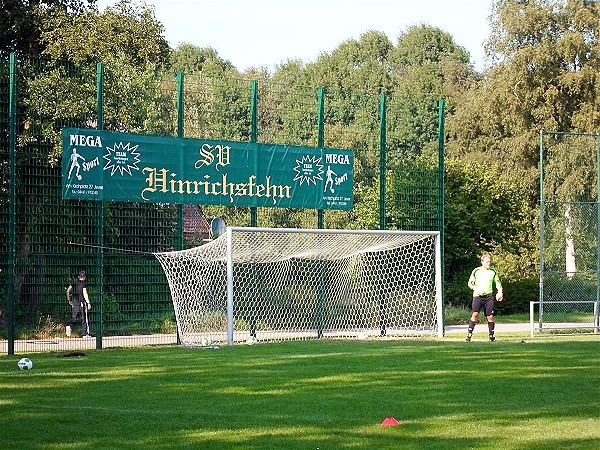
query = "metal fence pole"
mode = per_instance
[
  {"x": 542, "y": 212},
  {"x": 254, "y": 137},
  {"x": 180, "y": 133},
  {"x": 382, "y": 193},
  {"x": 12, "y": 207},
  {"x": 100, "y": 211},
  {"x": 441, "y": 212},
  {"x": 320, "y": 144},
  {"x": 320, "y": 214},
  {"x": 597, "y": 233},
  {"x": 382, "y": 161}
]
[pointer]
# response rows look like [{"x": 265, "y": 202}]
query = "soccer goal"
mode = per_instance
[{"x": 273, "y": 284}]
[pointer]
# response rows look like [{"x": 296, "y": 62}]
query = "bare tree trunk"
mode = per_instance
[{"x": 570, "y": 266}]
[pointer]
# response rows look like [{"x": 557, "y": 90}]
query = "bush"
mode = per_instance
[{"x": 517, "y": 295}]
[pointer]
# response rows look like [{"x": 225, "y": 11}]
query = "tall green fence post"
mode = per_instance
[
  {"x": 382, "y": 221},
  {"x": 597, "y": 304},
  {"x": 542, "y": 228},
  {"x": 254, "y": 137},
  {"x": 12, "y": 207},
  {"x": 441, "y": 212},
  {"x": 320, "y": 216},
  {"x": 321, "y": 143},
  {"x": 253, "y": 209},
  {"x": 382, "y": 161},
  {"x": 180, "y": 133},
  {"x": 100, "y": 212}
]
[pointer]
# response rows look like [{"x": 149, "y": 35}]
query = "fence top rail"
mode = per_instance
[
  {"x": 333, "y": 231},
  {"x": 564, "y": 301},
  {"x": 569, "y": 133}
]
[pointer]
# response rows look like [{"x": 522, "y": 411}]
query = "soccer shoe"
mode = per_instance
[
  {"x": 492, "y": 338},
  {"x": 468, "y": 339}
]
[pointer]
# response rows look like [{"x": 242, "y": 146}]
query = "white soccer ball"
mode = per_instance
[
  {"x": 205, "y": 341},
  {"x": 251, "y": 340},
  {"x": 25, "y": 364}
]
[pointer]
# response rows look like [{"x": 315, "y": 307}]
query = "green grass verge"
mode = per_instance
[
  {"x": 455, "y": 315},
  {"x": 515, "y": 393}
]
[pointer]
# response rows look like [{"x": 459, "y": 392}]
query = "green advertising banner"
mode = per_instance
[{"x": 103, "y": 165}]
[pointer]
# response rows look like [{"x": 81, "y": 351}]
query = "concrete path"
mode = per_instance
[{"x": 500, "y": 328}]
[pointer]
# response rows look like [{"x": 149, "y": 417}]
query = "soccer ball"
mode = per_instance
[
  {"x": 205, "y": 341},
  {"x": 251, "y": 340},
  {"x": 25, "y": 364}
]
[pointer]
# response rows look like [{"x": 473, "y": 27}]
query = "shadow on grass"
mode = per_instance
[{"x": 321, "y": 394}]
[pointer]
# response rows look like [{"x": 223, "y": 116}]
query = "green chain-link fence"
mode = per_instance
[
  {"x": 130, "y": 295},
  {"x": 569, "y": 230}
]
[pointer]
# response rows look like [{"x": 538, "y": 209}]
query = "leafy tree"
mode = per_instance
[
  {"x": 427, "y": 65},
  {"x": 546, "y": 76},
  {"x": 127, "y": 31},
  {"x": 423, "y": 43},
  {"x": 59, "y": 89},
  {"x": 570, "y": 190},
  {"x": 483, "y": 213},
  {"x": 190, "y": 59},
  {"x": 22, "y": 22},
  {"x": 62, "y": 89},
  {"x": 288, "y": 107},
  {"x": 354, "y": 75}
]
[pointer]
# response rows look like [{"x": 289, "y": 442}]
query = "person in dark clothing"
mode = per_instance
[{"x": 78, "y": 298}]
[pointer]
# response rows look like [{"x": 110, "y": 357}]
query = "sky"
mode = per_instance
[{"x": 267, "y": 33}]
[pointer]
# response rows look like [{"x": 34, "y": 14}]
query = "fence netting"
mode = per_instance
[
  {"x": 570, "y": 255},
  {"x": 54, "y": 238}
]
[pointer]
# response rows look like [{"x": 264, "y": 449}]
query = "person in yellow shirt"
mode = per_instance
[{"x": 487, "y": 288}]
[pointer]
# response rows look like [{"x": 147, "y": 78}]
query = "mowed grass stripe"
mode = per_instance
[{"x": 515, "y": 393}]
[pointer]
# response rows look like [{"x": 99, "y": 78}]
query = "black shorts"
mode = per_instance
[{"x": 486, "y": 302}]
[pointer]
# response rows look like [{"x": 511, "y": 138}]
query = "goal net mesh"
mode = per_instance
[{"x": 300, "y": 284}]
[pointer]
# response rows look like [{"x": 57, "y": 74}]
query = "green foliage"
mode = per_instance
[
  {"x": 414, "y": 193},
  {"x": 366, "y": 207},
  {"x": 46, "y": 327},
  {"x": 190, "y": 59},
  {"x": 426, "y": 65},
  {"x": 457, "y": 315},
  {"x": 483, "y": 211},
  {"x": 421, "y": 44},
  {"x": 545, "y": 77},
  {"x": 22, "y": 21},
  {"x": 518, "y": 295},
  {"x": 138, "y": 99},
  {"x": 62, "y": 91},
  {"x": 128, "y": 31}
]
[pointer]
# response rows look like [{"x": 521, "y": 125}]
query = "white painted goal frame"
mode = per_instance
[{"x": 278, "y": 284}]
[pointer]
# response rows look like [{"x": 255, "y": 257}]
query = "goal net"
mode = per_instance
[{"x": 273, "y": 284}]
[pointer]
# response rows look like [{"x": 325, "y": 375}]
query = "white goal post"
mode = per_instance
[{"x": 273, "y": 284}]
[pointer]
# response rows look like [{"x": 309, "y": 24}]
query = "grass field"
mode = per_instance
[{"x": 516, "y": 393}]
